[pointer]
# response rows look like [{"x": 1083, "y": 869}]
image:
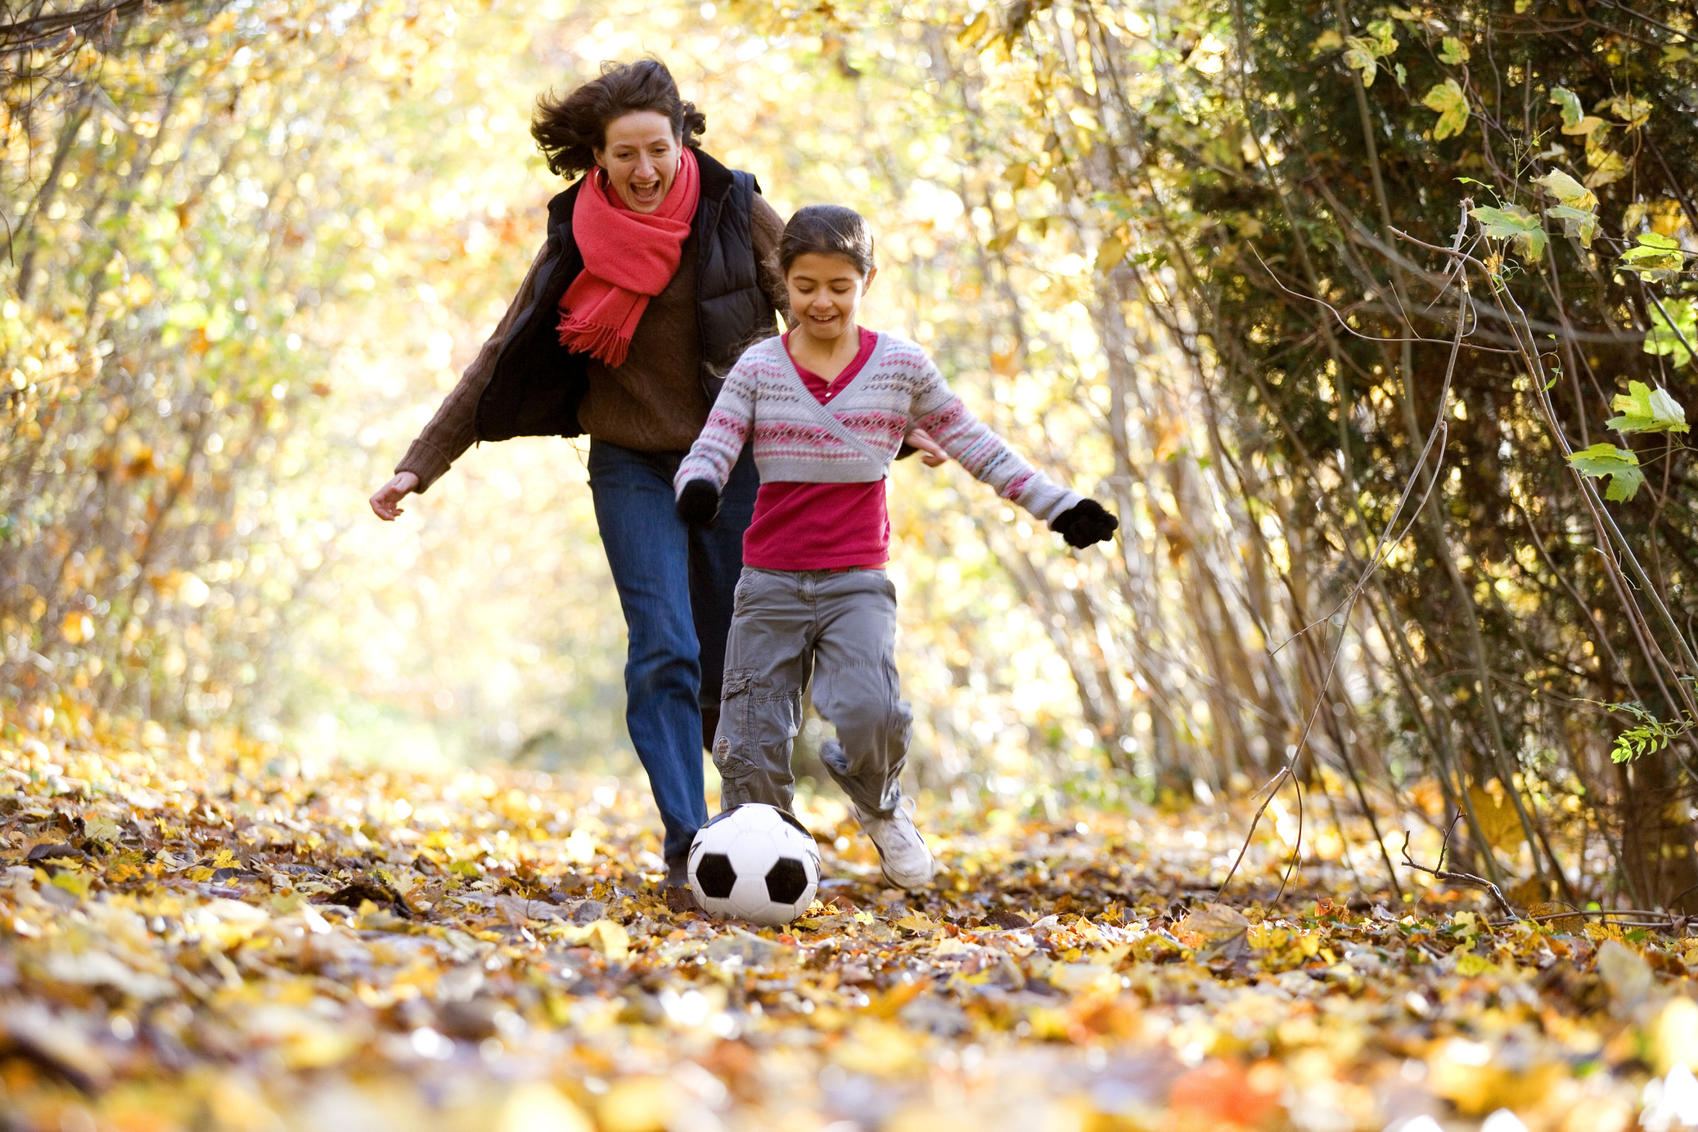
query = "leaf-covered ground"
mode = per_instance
[{"x": 208, "y": 933}]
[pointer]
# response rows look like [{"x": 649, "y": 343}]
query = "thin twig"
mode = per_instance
[{"x": 1450, "y": 877}]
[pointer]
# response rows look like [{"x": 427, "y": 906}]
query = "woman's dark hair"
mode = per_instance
[
  {"x": 569, "y": 130},
  {"x": 827, "y": 229}
]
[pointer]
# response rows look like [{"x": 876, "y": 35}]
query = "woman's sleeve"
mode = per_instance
[
  {"x": 766, "y": 228},
  {"x": 453, "y": 428}
]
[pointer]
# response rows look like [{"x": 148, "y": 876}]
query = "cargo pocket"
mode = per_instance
[{"x": 731, "y": 746}]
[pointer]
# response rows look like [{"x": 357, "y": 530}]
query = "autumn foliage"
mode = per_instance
[
  {"x": 1352, "y": 785},
  {"x": 207, "y": 932}
]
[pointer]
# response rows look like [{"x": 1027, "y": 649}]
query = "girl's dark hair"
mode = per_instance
[
  {"x": 570, "y": 129},
  {"x": 827, "y": 229}
]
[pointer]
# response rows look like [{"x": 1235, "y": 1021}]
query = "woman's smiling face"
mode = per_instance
[{"x": 640, "y": 157}]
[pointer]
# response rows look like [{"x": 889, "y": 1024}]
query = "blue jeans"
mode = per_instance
[{"x": 676, "y": 587}]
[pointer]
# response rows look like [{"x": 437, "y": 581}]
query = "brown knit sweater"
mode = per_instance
[{"x": 653, "y": 402}]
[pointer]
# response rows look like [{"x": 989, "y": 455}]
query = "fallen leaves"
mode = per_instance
[{"x": 193, "y": 939}]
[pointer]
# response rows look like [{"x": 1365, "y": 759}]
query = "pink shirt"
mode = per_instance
[{"x": 821, "y": 526}]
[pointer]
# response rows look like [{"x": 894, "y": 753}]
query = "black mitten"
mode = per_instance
[
  {"x": 698, "y": 503},
  {"x": 1084, "y": 523}
]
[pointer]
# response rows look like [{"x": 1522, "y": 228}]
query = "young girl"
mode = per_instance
[{"x": 826, "y": 407}]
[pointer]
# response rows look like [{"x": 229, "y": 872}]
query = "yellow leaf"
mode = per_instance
[
  {"x": 1499, "y": 823},
  {"x": 890, "y": 1002},
  {"x": 1111, "y": 253},
  {"x": 1214, "y": 930},
  {"x": 580, "y": 846},
  {"x": 537, "y": 1106},
  {"x": 877, "y": 1048},
  {"x": 640, "y": 1104},
  {"x": 605, "y": 936},
  {"x": 1470, "y": 965},
  {"x": 1607, "y": 166},
  {"x": 916, "y": 922},
  {"x": 1468, "y": 1075},
  {"x": 77, "y": 627},
  {"x": 1627, "y": 975},
  {"x": 1673, "y": 1036}
]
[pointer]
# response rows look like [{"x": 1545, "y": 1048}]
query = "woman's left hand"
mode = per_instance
[{"x": 931, "y": 454}]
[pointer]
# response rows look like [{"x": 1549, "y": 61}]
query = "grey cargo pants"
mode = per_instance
[{"x": 839, "y": 629}]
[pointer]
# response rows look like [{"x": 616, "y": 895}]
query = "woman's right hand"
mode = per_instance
[{"x": 386, "y": 499}]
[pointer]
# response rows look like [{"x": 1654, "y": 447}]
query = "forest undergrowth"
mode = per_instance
[{"x": 203, "y": 931}]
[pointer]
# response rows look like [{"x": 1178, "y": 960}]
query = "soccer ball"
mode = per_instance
[{"x": 756, "y": 862}]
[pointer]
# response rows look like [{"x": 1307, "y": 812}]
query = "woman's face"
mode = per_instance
[{"x": 640, "y": 157}]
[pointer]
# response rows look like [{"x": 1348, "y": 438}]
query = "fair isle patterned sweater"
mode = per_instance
[{"x": 854, "y": 438}]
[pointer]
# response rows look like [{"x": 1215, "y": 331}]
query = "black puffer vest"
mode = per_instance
[{"x": 537, "y": 384}]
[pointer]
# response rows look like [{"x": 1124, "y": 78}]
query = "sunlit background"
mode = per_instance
[{"x": 1189, "y": 257}]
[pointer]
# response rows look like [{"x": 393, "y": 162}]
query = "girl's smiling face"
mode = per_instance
[
  {"x": 640, "y": 156},
  {"x": 825, "y": 295}
]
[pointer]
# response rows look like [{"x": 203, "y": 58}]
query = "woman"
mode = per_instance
[{"x": 659, "y": 268}]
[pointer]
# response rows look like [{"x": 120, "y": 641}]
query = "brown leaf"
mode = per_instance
[{"x": 355, "y": 893}]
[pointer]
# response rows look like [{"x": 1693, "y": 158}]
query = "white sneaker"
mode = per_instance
[{"x": 901, "y": 850}]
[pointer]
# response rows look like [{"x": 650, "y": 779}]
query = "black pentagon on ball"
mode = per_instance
[
  {"x": 721, "y": 816},
  {"x": 786, "y": 881},
  {"x": 716, "y": 876},
  {"x": 795, "y": 821}
]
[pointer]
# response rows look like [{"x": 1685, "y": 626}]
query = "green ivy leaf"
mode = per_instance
[
  {"x": 1453, "y": 51},
  {"x": 1359, "y": 56},
  {"x": 1575, "y": 120},
  {"x": 1567, "y": 190},
  {"x": 1580, "y": 224},
  {"x": 1644, "y": 409},
  {"x": 1618, "y": 464},
  {"x": 1633, "y": 111},
  {"x": 1513, "y": 223},
  {"x": 1452, "y": 105},
  {"x": 1674, "y": 330},
  {"x": 1654, "y": 257}
]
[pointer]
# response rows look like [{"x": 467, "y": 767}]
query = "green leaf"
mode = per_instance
[
  {"x": 1572, "y": 111},
  {"x": 1655, "y": 256},
  {"x": 1453, "y": 51},
  {"x": 1633, "y": 111},
  {"x": 1513, "y": 223},
  {"x": 1452, "y": 105},
  {"x": 1618, "y": 464},
  {"x": 1359, "y": 56},
  {"x": 1576, "y": 222},
  {"x": 1643, "y": 409},
  {"x": 1674, "y": 331},
  {"x": 1575, "y": 120},
  {"x": 1568, "y": 191}
]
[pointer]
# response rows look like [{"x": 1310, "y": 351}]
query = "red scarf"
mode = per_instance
[{"x": 629, "y": 257}]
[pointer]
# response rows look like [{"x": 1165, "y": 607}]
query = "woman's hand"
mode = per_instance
[
  {"x": 385, "y": 501},
  {"x": 931, "y": 454}
]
